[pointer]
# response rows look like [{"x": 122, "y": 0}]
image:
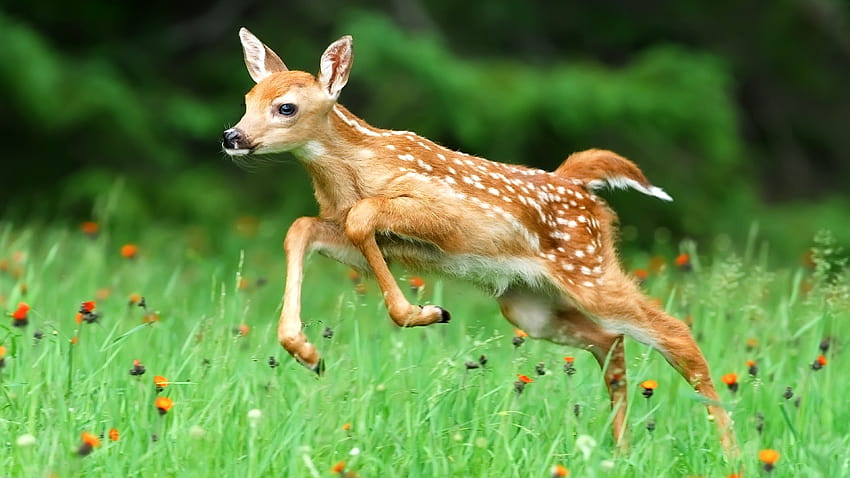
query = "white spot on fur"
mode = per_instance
[{"x": 353, "y": 123}]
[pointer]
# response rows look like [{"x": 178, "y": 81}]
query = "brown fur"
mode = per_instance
[{"x": 542, "y": 242}]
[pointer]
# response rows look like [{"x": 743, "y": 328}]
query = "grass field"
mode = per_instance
[{"x": 393, "y": 402}]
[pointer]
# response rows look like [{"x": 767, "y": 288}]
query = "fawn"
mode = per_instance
[{"x": 541, "y": 242}]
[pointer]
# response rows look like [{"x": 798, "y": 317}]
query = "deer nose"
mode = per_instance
[{"x": 231, "y": 138}]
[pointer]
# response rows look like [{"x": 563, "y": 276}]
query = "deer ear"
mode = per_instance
[
  {"x": 260, "y": 59},
  {"x": 335, "y": 66}
]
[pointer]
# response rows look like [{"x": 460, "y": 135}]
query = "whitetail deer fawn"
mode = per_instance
[{"x": 540, "y": 241}]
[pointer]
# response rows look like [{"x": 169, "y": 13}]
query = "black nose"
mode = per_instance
[{"x": 231, "y": 138}]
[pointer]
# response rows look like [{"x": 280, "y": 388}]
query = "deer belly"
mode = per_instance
[{"x": 492, "y": 272}]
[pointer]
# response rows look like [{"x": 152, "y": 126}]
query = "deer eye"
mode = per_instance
[{"x": 287, "y": 109}]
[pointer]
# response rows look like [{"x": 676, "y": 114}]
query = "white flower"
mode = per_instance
[
  {"x": 254, "y": 416},
  {"x": 585, "y": 444},
  {"x": 25, "y": 440},
  {"x": 606, "y": 465},
  {"x": 354, "y": 451}
]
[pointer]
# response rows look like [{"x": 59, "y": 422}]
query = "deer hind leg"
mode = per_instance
[
  {"x": 364, "y": 219},
  {"x": 619, "y": 305},
  {"x": 305, "y": 233},
  {"x": 558, "y": 321}
]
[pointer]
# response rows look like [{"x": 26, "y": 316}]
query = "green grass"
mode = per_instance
[{"x": 413, "y": 408}]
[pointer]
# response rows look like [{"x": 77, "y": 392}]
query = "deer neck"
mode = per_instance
[{"x": 341, "y": 158}]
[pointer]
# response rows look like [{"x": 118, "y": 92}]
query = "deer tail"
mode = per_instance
[{"x": 597, "y": 168}]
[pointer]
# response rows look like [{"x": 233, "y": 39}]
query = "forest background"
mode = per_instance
[{"x": 739, "y": 110}]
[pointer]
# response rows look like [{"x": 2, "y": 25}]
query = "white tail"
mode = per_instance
[{"x": 540, "y": 241}]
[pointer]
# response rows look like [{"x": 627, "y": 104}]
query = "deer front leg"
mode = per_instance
[
  {"x": 303, "y": 233},
  {"x": 364, "y": 219}
]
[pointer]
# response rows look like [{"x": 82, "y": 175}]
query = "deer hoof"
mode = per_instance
[
  {"x": 318, "y": 367},
  {"x": 445, "y": 316}
]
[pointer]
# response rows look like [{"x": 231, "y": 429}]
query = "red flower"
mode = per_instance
[
  {"x": 21, "y": 312},
  {"x": 731, "y": 381},
  {"x": 524, "y": 379},
  {"x": 129, "y": 251},
  {"x": 819, "y": 363},
  {"x": 90, "y": 228},
  {"x": 416, "y": 283},
  {"x": 87, "y": 306},
  {"x": 113, "y": 434},
  {"x": 683, "y": 261},
  {"x": 19, "y": 316},
  {"x": 339, "y": 467}
]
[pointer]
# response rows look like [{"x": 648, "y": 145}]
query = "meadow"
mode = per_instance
[{"x": 197, "y": 306}]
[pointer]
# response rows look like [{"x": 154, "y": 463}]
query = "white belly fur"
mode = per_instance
[{"x": 495, "y": 274}]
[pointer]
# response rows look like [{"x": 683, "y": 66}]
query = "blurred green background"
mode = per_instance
[{"x": 740, "y": 110}]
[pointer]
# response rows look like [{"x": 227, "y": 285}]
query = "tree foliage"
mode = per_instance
[{"x": 721, "y": 105}]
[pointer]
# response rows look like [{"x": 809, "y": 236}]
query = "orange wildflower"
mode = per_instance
[
  {"x": 524, "y": 379},
  {"x": 160, "y": 382},
  {"x": 819, "y": 363},
  {"x": 90, "y": 439},
  {"x": 641, "y": 274},
  {"x": 88, "y": 306},
  {"x": 2, "y": 352},
  {"x": 683, "y": 260},
  {"x": 752, "y": 343},
  {"x": 150, "y": 318},
  {"x": 731, "y": 381},
  {"x": 244, "y": 330},
  {"x": 769, "y": 458},
  {"x": 135, "y": 298},
  {"x": 752, "y": 368},
  {"x": 649, "y": 387},
  {"x": 129, "y": 251},
  {"x": 346, "y": 426},
  {"x": 339, "y": 467},
  {"x": 113, "y": 434},
  {"x": 19, "y": 316},
  {"x": 416, "y": 283},
  {"x": 520, "y": 333},
  {"x": 21, "y": 312},
  {"x": 559, "y": 471},
  {"x": 164, "y": 404},
  {"x": 103, "y": 293},
  {"x": 569, "y": 368},
  {"x": 75, "y": 340},
  {"x": 90, "y": 228}
]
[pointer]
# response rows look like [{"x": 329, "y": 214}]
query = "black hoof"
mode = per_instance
[
  {"x": 319, "y": 367},
  {"x": 445, "y": 316}
]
